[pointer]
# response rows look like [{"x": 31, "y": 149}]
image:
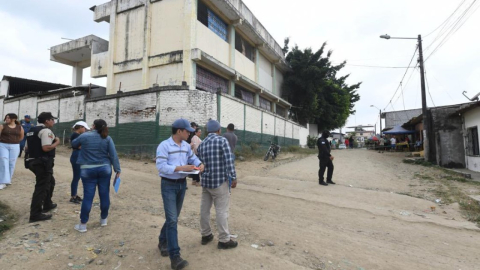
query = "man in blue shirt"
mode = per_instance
[
  {"x": 26, "y": 125},
  {"x": 215, "y": 152},
  {"x": 174, "y": 156}
]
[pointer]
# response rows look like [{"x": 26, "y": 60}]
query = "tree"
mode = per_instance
[{"x": 316, "y": 94}]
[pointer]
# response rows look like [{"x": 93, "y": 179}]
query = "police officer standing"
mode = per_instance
[
  {"x": 41, "y": 144},
  {"x": 325, "y": 159}
]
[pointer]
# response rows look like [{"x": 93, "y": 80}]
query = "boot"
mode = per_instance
[
  {"x": 330, "y": 182},
  {"x": 321, "y": 182},
  {"x": 178, "y": 263}
]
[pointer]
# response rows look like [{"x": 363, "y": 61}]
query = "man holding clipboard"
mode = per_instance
[{"x": 174, "y": 159}]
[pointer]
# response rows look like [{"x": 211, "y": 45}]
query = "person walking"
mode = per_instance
[
  {"x": 11, "y": 134},
  {"x": 79, "y": 128},
  {"x": 325, "y": 159},
  {"x": 393, "y": 142},
  {"x": 231, "y": 137},
  {"x": 217, "y": 156},
  {"x": 346, "y": 143},
  {"x": 96, "y": 158},
  {"x": 174, "y": 155},
  {"x": 41, "y": 145},
  {"x": 196, "y": 141},
  {"x": 26, "y": 125}
]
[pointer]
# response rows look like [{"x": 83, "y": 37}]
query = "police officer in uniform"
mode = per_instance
[
  {"x": 325, "y": 159},
  {"x": 41, "y": 144}
]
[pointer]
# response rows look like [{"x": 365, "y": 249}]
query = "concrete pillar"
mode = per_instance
[
  {"x": 232, "y": 87},
  {"x": 77, "y": 74},
  {"x": 257, "y": 65},
  {"x": 274, "y": 107},
  {"x": 111, "y": 88},
  {"x": 274, "y": 78},
  {"x": 146, "y": 47},
  {"x": 257, "y": 99},
  {"x": 189, "y": 43},
  {"x": 231, "y": 41}
]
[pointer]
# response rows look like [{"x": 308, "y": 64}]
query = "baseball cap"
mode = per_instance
[
  {"x": 26, "y": 116},
  {"x": 46, "y": 116},
  {"x": 213, "y": 126},
  {"x": 182, "y": 123},
  {"x": 82, "y": 123}
]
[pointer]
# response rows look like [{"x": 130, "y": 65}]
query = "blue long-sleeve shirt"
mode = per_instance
[
  {"x": 96, "y": 150},
  {"x": 217, "y": 157},
  {"x": 170, "y": 155}
]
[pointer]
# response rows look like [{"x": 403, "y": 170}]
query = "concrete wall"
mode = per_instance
[
  {"x": 72, "y": 109},
  {"x": 446, "y": 134},
  {"x": 212, "y": 44},
  {"x": 130, "y": 81},
  {"x": 472, "y": 119},
  {"x": 130, "y": 35},
  {"x": 103, "y": 109},
  {"x": 28, "y": 106},
  {"x": 1, "y": 109},
  {"x": 265, "y": 73},
  {"x": 11, "y": 107},
  {"x": 279, "y": 82},
  {"x": 4, "y": 88},
  {"x": 244, "y": 66},
  {"x": 99, "y": 65},
  {"x": 167, "y": 31},
  {"x": 400, "y": 117},
  {"x": 166, "y": 75}
]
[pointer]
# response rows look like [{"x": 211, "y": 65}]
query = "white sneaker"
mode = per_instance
[
  {"x": 103, "y": 222},
  {"x": 2, "y": 186},
  {"x": 81, "y": 227}
]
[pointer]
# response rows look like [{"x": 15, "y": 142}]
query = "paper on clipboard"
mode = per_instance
[{"x": 190, "y": 172}]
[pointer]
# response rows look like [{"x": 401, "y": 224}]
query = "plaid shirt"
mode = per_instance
[{"x": 217, "y": 157}]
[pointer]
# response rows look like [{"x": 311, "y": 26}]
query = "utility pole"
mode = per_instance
[
  {"x": 426, "y": 145},
  {"x": 380, "y": 123}
]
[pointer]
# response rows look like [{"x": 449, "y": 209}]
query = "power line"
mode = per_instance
[
  {"x": 446, "y": 19},
  {"x": 428, "y": 88},
  {"x": 409, "y": 64},
  {"x": 368, "y": 66}
]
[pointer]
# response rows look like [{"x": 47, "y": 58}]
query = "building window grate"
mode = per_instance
[
  {"x": 210, "y": 82},
  {"x": 211, "y": 20},
  {"x": 244, "y": 47},
  {"x": 281, "y": 111},
  {"x": 473, "y": 147},
  {"x": 243, "y": 94},
  {"x": 265, "y": 104}
]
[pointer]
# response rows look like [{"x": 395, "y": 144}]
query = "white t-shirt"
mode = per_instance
[{"x": 393, "y": 141}]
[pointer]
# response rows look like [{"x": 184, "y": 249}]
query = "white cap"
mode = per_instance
[{"x": 81, "y": 123}]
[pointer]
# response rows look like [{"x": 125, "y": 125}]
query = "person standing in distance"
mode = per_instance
[
  {"x": 231, "y": 137},
  {"x": 174, "y": 155},
  {"x": 325, "y": 159},
  {"x": 41, "y": 144},
  {"x": 26, "y": 125},
  {"x": 219, "y": 169}
]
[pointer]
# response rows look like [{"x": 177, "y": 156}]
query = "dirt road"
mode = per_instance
[{"x": 369, "y": 220}]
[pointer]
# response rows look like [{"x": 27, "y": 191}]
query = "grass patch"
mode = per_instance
[
  {"x": 300, "y": 150},
  {"x": 419, "y": 161},
  {"x": 8, "y": 217},
  {"x": 249, "y": 151}
]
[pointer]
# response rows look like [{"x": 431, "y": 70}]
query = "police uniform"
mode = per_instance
[
  {"x": 325, "y": 161},
  {"x": 41, "y": 164}
]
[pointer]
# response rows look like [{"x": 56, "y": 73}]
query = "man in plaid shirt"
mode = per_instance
[{"x": 218, "y": 159}]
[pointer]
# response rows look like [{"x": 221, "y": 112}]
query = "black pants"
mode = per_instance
[
  {"x": 45, "y": 184},
  {"x": 325, "y": 163}
]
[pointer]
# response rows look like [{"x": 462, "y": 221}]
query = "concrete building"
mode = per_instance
[
  {"x": 396, "y": 118},
  {"x": 470, "y": 114}
]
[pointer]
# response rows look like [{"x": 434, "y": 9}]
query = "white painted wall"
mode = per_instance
[
  {"x": 195, "y": 106},
  {"x": 131, "y": 81},
  {"x": 244, "y": 65},
  {"x": 232, "y": 111},
  {"x": 212, "y": 44},
  {"x": 49, "y": 106},
  {"x": 302, "y": 134},
  {"x": 11, "y": 107},
  {"x": 1, "y": 109},
  {"x": 4, "y": 88},
  {"x": 72, "y": 109},
  {"x": 253, "y": 120},
  {"x": 171, "y": 74},
  {"x": 268, "y": 123},
  {"x": 280, "y": 127},
  {"x": 103, "y": 109},
  {"x": 279, "y": 78},
  {"x": 265, "y": 73},
  {"x": 472, "y": 119},
  {"x": 140, "y": 108},
  {"x": 288, "y": 130},
  {"x": 28, "y": 106}
]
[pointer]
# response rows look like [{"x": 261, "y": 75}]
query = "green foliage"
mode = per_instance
[
  {"x": 311, "y": 141},
  {"x": 317, "y": 94},
  {"x": 8, "y": 217}
]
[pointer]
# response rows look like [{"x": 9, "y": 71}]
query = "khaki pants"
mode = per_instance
[{"x": 220, "y": 197}]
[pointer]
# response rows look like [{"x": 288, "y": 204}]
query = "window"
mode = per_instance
[
  {"x": 473, "y": 148},
  {"x": 265, "y": 104},
  {"x": 211, "y": 20},
  {"x": 281, "y": 111},
  {"x": 210, "y": 82},
  {"x": 243, "y": 94},
  {"x": 244, "y": 47}
]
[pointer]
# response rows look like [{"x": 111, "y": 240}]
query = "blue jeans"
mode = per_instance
[
  {"x": 76, "y": 172},
  {"x": 91, "y": 178},
  {"x": 8, "y": 158},
  {"x": 172, "y": 195}
]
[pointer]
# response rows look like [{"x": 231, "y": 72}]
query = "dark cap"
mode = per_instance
[
  {"x": 27, "y": 116},
  {"x": 46, "y": 116},
  {"x": 183, "y": 124},
  {"x": 193, "y": 125}
]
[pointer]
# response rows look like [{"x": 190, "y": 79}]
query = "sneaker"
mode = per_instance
[
  {"x": 74, "y": 200},
  {"x": 178, "y": 263},
  {"x": 330, "y": 182},
  {"x": 78, "y": 198},
  {"x": 47, "y": 209},
  {"x": 103, "y": 222},
  {"x": 2, "y": 186},
  {"x": 163, "y": 249},
  {"x": 322, "y": 183},
  {"x": 227, "y": 245},
  {"x": 40, "y": 217},
  {"x": 207, "y": 239},
  {"x": 81, "y": 227}
]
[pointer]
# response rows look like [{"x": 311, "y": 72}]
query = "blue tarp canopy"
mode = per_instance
[{"x": 399, "y": 130}]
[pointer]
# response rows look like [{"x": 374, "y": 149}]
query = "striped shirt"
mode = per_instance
[
  {"x": 170, "y": 155},
  {"x": 217, "y": 157}
]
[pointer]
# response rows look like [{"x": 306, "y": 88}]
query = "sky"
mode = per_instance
[{"x": 351, "y": 29}]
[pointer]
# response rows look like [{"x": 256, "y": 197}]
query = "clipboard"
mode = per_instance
[{"x": 116, "y": 184}]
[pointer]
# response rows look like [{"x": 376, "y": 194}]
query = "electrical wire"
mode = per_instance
[
  {"x": 409, "y": 64},
  {"x": 446, "y": 19},
  {"x": 428, "y": 88},
  {"x": 374, "y": 66}
]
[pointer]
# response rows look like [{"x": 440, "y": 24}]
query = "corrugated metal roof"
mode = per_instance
[{"x": 18, "y": 86}]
